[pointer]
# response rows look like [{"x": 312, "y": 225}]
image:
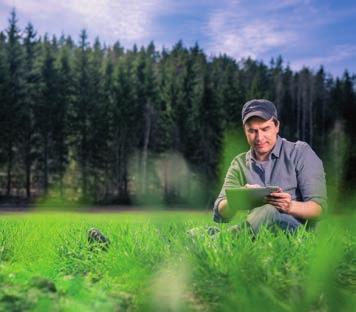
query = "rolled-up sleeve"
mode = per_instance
[
  {"x": 232, "y": 179},
  {"x": 311, "y": 176}
]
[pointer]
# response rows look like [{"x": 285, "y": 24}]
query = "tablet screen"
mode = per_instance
[{"x": 248, "y": 198}]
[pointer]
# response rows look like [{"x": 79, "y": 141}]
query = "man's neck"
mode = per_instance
[{"x": 261, "y": 157}]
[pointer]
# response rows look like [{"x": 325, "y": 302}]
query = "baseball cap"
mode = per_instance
[{"x": 258, "y": 108}]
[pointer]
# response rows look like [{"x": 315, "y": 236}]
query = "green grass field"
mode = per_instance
[{"x": 46, "y": 264}]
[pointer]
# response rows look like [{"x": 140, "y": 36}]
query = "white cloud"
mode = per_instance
[
  {"x": 287, "y": 27},
  {"x": 128, "y": 20},
  {"x": 338, "y": 54},
  {"x": 240, "y": 35}
]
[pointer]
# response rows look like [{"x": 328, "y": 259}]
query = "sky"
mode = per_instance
[{"x": 304, "y": 32}]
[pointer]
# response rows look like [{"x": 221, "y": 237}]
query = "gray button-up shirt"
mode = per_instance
[{"x": 293, "y": 166}]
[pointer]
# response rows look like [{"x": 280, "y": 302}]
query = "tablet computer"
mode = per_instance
[{"x": 247, "y": 198}]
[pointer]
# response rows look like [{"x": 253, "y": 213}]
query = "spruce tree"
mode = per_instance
[
  {"x": 61, "y": 115},
  {"x": 122, "y": 127},
  {"x": 97, "y": 120},
  {"x": 15, "y": 87},
  {"x": 28, "y": 141},
  {"x": 45, "y": 112},
  {"x": 82, "y": 109},
  {"x": 4, "y": 80}
]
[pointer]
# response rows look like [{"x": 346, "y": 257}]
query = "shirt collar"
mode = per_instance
[
  {"x": 275, "y": 151},
  {"x": 277, "y": 147}
]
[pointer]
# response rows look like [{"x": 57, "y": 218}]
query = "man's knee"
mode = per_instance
[{"x": 263, "y": 215}]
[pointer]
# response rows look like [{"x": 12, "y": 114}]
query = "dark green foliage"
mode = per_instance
[
  {"x": 83, "y": 109},
  {"x": 13, "y": 96},
  {"x": 62, "y": 112},
  {"x": 45, "y": 112},
  {"x": 28, "y": 143}
]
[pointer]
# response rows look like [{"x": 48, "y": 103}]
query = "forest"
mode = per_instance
[{"x": 105, "y": 124}]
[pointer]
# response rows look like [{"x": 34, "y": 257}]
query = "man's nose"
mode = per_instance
[{"x": 258, "y": 135}]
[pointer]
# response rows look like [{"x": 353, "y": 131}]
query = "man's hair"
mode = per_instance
[{"x": 275, "y": 121}]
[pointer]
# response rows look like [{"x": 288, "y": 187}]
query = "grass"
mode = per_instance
[{"x": 152, "y": 265}]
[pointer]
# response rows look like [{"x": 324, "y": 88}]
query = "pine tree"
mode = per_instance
[
  {"x": 287, "y": 108},
  {"x": 13, "y": 98},
  {"x": 122, "y": 127},
  {"x": 82, "y": 109},
  {"x": 229, "y": 91},
  {"x": 45, "y": 112},
  {"x": 61, "y": 115},
  {"x": 107, "y": 124},
  {"x": 31, "y": 76},
  {"x": 209, "y": 118},
  {"x": 97, "y": 119},
  {"x": 319, "y": 104},
  {"x": 4, "y": 80},
  {"x": 150, "y": 107},
  {"x": 347, "y": 104}
]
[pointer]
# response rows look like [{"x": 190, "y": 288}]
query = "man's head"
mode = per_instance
[{"x": 261, "y": 126}]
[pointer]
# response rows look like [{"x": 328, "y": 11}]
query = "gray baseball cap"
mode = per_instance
[{"x": 258, "y": 108}]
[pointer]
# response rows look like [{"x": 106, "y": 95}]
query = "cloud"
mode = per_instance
[
  {"x": 288, "y": 27},
  {"x": 127, "y": 20},
  {"x": 338, "y": 54},
  {"x": 239, "y": 34}
]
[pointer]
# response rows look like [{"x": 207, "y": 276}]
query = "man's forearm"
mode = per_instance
[{"x": 305, "y": 210}]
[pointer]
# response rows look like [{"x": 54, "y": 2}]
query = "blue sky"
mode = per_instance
[{"x": 304, "y": 32}]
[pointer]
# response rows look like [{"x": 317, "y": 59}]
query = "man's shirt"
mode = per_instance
[{"x": 293, "y": 166}]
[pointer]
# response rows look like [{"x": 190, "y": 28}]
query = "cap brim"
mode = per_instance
[{"x": 262, "y": 115}]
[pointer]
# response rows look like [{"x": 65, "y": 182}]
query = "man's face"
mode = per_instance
[{"x": 261, "y": 136}]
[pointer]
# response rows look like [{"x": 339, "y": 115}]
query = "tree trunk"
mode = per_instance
[
  {"x": 9, "y": 169},
  {"x": 28, "y": 164},
  {"x": 84, "y": 164},
  {"x": 147, "y": 131},
  {"x": 61, "y": 186},
  {"x": 304, "y": 99},
  {"x": 45, "y": 169},
  {"x": 28, "y": 177},
  {"x": 311, "y": 96},
  {"x": 299, "y": 99}
]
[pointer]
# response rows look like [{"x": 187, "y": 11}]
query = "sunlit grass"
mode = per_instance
[{"x": 152, "y": 264}]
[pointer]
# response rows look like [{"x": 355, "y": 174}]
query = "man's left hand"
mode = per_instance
[{"x": 281, "y": 200}]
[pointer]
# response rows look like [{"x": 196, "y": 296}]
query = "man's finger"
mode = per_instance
[
  {"x": 279, "y": 195},
  {"x": 274, "y": 202}
]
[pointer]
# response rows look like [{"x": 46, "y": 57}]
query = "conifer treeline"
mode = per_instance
[{"x": 74, "y": 115}]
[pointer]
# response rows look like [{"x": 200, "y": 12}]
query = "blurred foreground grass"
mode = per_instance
[{"x": 46, "y": 265}]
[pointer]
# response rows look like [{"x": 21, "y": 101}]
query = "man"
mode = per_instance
[{"x": 271, "y": 160}]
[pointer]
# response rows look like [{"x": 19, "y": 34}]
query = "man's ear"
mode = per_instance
[{"x": 244, "y": 127}]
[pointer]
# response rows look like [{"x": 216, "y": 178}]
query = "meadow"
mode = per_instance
[{"x": 47, "y": 264}]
